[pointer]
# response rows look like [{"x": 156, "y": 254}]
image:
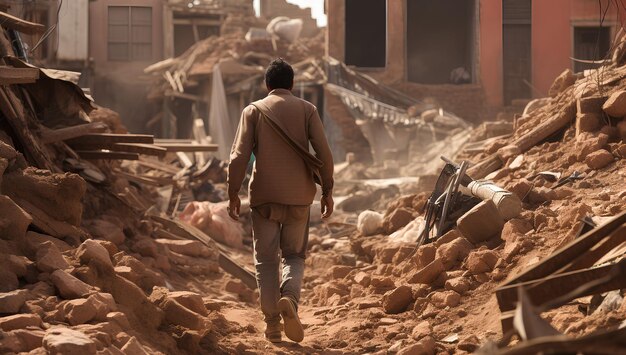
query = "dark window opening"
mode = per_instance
[
  {"x": 440, "y": 51},
  {"x": 516, "y": 45},
  {"x": 130, "y": 33},
  {"x": 366, "y": 33},
  {"x": 191, "y": 28},
  {"x": 590, "y": 43}
]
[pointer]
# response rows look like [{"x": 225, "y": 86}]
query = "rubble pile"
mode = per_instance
[
  {"x": 563, "y": 159},
  {"x": 86, "y": 267}
]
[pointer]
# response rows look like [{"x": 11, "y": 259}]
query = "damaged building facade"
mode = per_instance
[{"x": 485, "y": 55}]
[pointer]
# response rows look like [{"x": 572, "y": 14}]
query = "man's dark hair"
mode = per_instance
[{"x": 279, "y": 75}]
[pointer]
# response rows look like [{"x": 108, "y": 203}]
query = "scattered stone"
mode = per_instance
[
  {"x": 20, "y": 321},
  {"x": 429, "y": 273},
  {"x": 615, "y": 105},
  {"x": 398, "y": 300},
  {"x": 362, "y": 278},
  {"x": 515, "y": 228},
  {"x": 566, "y": 79},
  {"x": 134, "y": 347},
  {"x": 119, "y": 318},
  {"x": 454, "y": 251},
  {"x": 599, "y": 159},
  {"x": 386, "y": 254},
  {"x": 49, "y": 258},
  {"x": 397, "y": 219},
  {"x": 421, "y": 330},
  {"x": 426, "y": 346},
  {"x": 11, "y": 302},
  {"x": 69, "y": 286},
  {"x": 590, "y": 104},
  {"x": 621, "y": 128},
  {"x": 458, "y": 284},
  {"x": 30, "y": 339},
  {"x": 481, "y": 261},
  {"x": 481, "y": 222},
  {"x": 65, "y": 341},
  {"x": 190, "y": 300},
  {"x": 424, "y": 255},
  {"x": 8, "y": 280},
  {"x": 14, "y": 220},
  {"x": 91, "y": 250},
  {"x": 469, "y": 344},
  {"x": 79, "y": 311},
  {"x": 445, "y": 299}
]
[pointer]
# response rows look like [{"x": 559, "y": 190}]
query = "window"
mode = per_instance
[
  {"x": 440, "y": 39},
  {"x": 130, "y": 33},
  {"x": 590, "y": 43},
  {"x": 366, "y": 33}
]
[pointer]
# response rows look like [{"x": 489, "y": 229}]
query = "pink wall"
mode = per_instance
[
  {"x": 551, "y": 42},
  {"x": 490, "y": 60}
]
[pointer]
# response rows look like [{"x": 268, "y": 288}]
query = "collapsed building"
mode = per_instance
[{"x": 114, "y": 242}]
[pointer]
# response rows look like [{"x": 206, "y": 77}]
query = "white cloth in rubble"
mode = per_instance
[{"x": 213, "y": 219}]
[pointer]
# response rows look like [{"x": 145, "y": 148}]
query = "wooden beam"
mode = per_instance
[
  {"x": 139, "y": 148},
  {"x": 157, "y": 165},
  {"x": 142, "y": 179},
  {"x": 110, "y": 138},
  {"x": 181, "y": 147},
  {"x": 56, "y": 135},
  {"x": 99, "y": 154},
  {"x": 15, "y": 23},
  {"x": 549, "y": 288},
  {"x": 11, "y": 75},
  {"x": 569, "y": 252}
]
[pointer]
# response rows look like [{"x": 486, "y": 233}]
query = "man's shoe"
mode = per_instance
[
  {"x": 293, "y": 327},
  {"x": 273, "y": 332}
]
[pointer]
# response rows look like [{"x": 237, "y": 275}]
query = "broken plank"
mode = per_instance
[
  {"x": 99, "y": 154},
  {"x": 181, "y": 147},
  {"x": 16, "y": 23},
  {"x": 62, "y": 134},
  {"x": 231, "y": 267},
  {"x": 157, "y": 165},
  {"x": 569, "y": 252},
  {"x": 11, "y": 75},
  {"x": 485, "y": 167},
  {"x": 142, "y": 179},
  {"x": 110, "y": 138},
  {"x": 139, "y": 148},
  {"x": 543, "y": 290}
]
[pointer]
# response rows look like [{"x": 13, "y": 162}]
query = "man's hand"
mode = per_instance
[
  {"x": 328, "y": 205},
  {"x": 234, "y": 207}
]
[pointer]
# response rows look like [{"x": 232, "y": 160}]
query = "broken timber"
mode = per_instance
[
  {"x": 99, "y": 154},
  {"x": 62, "y": 134},
  {"x": 15, "y": 23},
  {"x": 564, "y": 274},
  {"x": 110, "y": 138},
  {"x": 181, "y": 147},
  {"x": 11, "y": 75}
]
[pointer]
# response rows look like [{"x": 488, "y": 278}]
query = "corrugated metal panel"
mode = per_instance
[
  {"x": 73, "y": 30},
  {"x": 516, "y": 12}
]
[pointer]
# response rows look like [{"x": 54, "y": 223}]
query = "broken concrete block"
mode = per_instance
[
  {"x": 397, "y": 219},
  {"x": 178, "y": 314},
  {"x": 587, "y": 122},
  {"x": 428, "y": 273},
  {"x": 130, "y": 295},
  {"x": 19, "y": 321},
  {"x": 481, "y": 261},
  {"x": 133, "y": 346},
  {"x": 590, "y": 104},
  {"x": 49, "y": 258},
  {"x": 621, "y": 128},
  {"x": 69, "y": 286},
  {"x": 599, "y": 159},
  {"x": 11, "y": 302},
  {"x": 458, "y": 284},
  {"x": 443, "y": 299},
  {"x": 58, "y": 195},
  {"x": 396, "y": 301},
  {"x": 8, "y": 280},
  {"x": 451, "y": 253},
  {"x": 362, "y": 278},
  {"x": 615, "y": 105},
  {"x": 66, "y": 341},
  {"x": 119, "y": 318},
  {"x": 369, "y": 222},
  {"x": 421, "y": 330},
  {"x": 426, "y": 346},
  {"x": 190, "y": 300},
  {"x": 424, "y": 255},
  {"x": 30, "y": 339},
  {"x": 79, "y": 311},
  {"x": 14, "y": 221},
  {"x": 481, "y": 222},
  {"x": 6, "y": 151},
  {"x": 91, "y": 250}
]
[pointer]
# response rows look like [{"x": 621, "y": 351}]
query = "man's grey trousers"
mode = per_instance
[{"x": 279, "y": 231}]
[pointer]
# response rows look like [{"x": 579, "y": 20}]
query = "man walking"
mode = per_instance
[{"x": 278, "y": 130}]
